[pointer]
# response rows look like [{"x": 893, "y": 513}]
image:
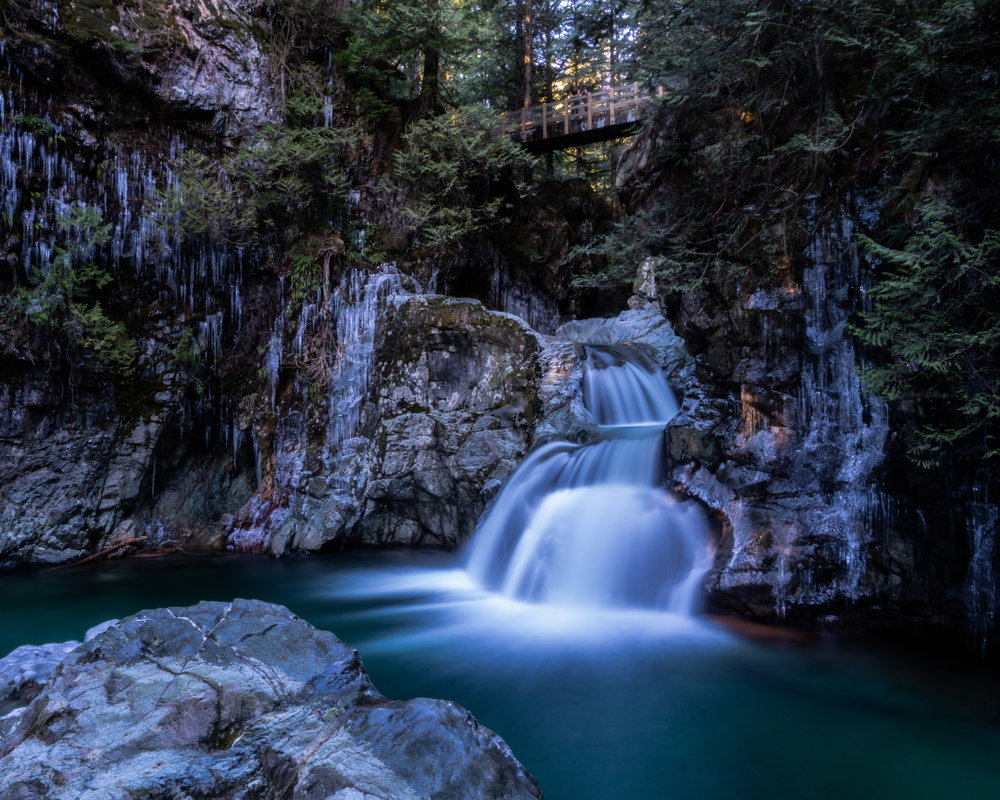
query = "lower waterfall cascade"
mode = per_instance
[{"x": 589, "y": 524}]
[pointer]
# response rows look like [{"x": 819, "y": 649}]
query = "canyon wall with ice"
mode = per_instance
[
  {"x": 821, "y": 518},
  {"x": 258, "y": 417},
  {"x": 96, "y": 104}
]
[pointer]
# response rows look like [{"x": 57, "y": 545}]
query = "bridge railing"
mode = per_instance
[{"x": 585, "y": 112}]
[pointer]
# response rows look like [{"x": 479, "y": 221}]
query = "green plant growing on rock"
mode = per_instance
[
  {"x": 933, "y": 313},
  {"x": 202, "y": 200},
  {"x": 614, "y": 255},
  {"x": 190, "y": 356},
  {"x": 292, "y": 175},
  {"x": 450, "y": 171},
  {"x": 306, "y": 277},
  {"x": 361, "y": 243},
  {"x": 39, "y": 125},
  {"x": 778, "y": 108},
  {"x": 187, "y": 351},
  {"x": 59, "y": 308},
  {"x": 290, "y": 179}
]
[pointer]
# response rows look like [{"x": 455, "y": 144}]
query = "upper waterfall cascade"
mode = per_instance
[{"x": 589, "y": 524}]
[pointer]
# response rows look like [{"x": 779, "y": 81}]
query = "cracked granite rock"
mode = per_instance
[{"x": 237, "y": 701}]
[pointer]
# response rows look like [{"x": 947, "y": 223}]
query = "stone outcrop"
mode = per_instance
[
  {"x": 97, "y": 98},
  {"x": 243, "y": 700},
  {"x": 456, "y": 390},
  {"x": 642, "y": 327},
  {"x": 793, "y": 467},
  {"x": 25, "y": 671},
  {"x": 77, "y": 476},
  {"x": 197, "y": 62},
  {"x": 777, "y": 436},
  {"x": 452, "y": 397}
]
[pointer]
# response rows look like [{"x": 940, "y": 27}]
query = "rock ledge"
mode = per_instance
[{"x": 240, "y": 700}]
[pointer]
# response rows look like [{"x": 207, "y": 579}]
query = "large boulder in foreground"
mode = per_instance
[{"x": 243, "y": 700}]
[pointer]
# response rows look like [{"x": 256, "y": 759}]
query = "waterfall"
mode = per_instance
[{"x": 589, "y": 524}]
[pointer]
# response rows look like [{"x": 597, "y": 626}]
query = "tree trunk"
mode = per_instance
[
  {"x": 824, "y": 71},
  {"x": 432, "y": 68},
  {"x": 548, "y": 64},
  {"x": 519, "y": 48},
  {"x": 415, "y": 75},
  {"x": 527, "y": 53},
  {"x": 429, "y": 86},
  {"x": 612, "y": 54}
]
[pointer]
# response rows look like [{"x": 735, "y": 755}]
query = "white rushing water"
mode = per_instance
[{"x": 588, "y": 525}]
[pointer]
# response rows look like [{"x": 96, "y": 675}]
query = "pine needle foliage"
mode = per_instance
[
  {"x": 779, "y": 105},
  {"x": 289, "y": 179},
  {"x": 934, "y": 311},
  {"x": 452, "y": 171},
  {"x": 57, "y": 313},
  {"x": 401, "y": 49},
  {"x": 779, "y": 113}
]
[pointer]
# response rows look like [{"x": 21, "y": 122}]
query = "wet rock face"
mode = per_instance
[
  {"x": 27, "y": 669},
  {"x": 455, "y": 398},
  {"x": 820, "y": 518},
  {"x": 451, "y": 401},
  {"x": 238, "y": 701},
  {"x": 70, "y": 473},
  {"x": 195, "y": 60},
  {"x": 776, "y": 434},
  {"x": 95, "y": 97},
  {"x": 791, "y": 464},
  {"x": 77, "y": 477},
  {"x": 51, "y": 474}
]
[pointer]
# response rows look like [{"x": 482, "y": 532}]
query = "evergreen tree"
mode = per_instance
[{"x": 397, "y": 45}]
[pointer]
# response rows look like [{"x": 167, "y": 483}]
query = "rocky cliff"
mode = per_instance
[
  {"x": 448, "y": 398},
  {"x": 264, "y": 409},
  {"x": 822, "y": 519},
  {"x": 96, "y": 101}
]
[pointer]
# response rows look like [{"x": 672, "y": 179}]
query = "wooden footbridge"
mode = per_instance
[{"x": 599, "y": 116}]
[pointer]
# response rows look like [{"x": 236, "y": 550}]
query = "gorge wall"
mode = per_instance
[
  {"x": 268, "y": 409},
  {"x": 272, "y": 415},
  {"x": 822, "y": 517}
]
